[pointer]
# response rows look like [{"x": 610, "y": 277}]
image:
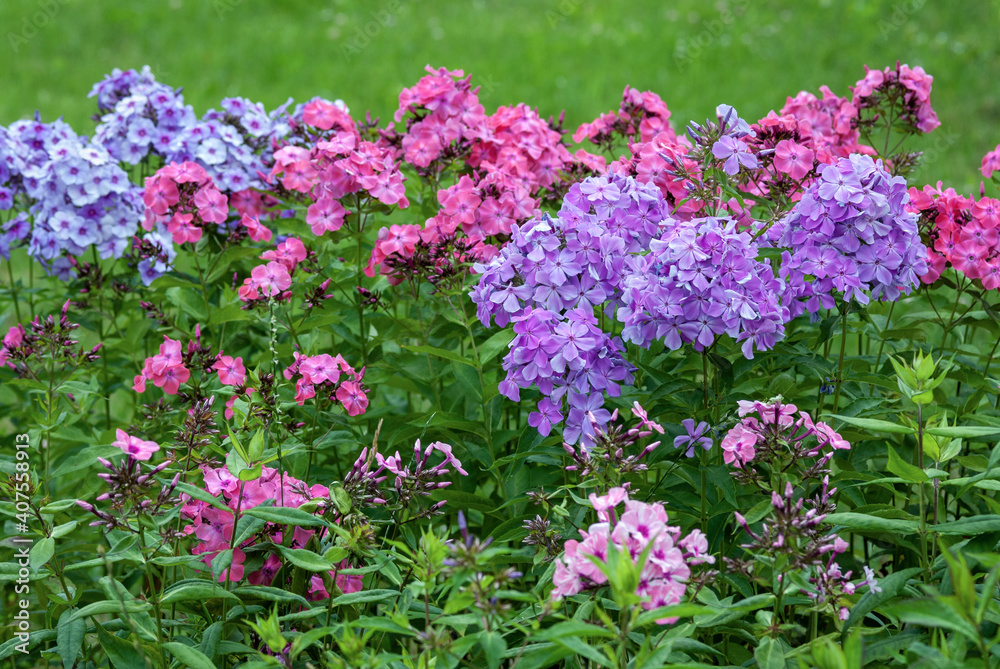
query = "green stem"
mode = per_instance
[
  {"x": 13, "y": 292},
  {"x": 840, "y": 362}
]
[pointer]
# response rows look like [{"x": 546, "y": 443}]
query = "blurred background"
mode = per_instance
[{"x": 555, "y": 55}]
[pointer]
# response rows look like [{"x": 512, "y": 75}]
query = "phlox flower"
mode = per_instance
[
  {"x": 231, "y": 370},
  {"x": 134, "y": 446}
]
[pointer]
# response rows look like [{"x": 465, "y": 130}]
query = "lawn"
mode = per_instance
[{"x": 570, "y": 55}]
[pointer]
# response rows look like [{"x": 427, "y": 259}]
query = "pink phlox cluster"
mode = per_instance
[
  {"x": 641, "y": 113},
  {"x": 446, "y": 116},
  {"x": 964, "y": 233},
  {"x": 775, "y": 428},
  {"x": 185, "y": 199},
  {"x": 289, "y": 253},
  {"x": 214, "y": 527},
  {"x": 915, "y": 84},
  {"x": 664, "y": 576},
  {"x": 328, "y": 376},
  {"x": 826, "y": 125},
  {"x": 270, "y": 280},
  {"x": 476, "y": 209},
  {"x": 166, "y": 369}
]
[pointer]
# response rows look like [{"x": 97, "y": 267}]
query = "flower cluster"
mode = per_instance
[
  {"x": 214, "y": 527},
  {"x": 166, "y": 369},
  {"x": 336, "y": 167},
  {"x": 772, "y": 434},
  {"x": 445, "y": 117},
  {"x": 234, "y": 144},
  {"x": 798, "y": 531},
  {"x": 419, "y": 478},
  {"x": 641, "y": 113},
  {"x": 331, "y": 377},
  {"x": 850, "y": 232},
  {"x": 75, "y": 193},
  {"x": 702, "y": 279},
  {"x": 907, "y": 90},
  {"x": 184, "y": 198},
  {"x": 609, "y": 450},
  {"x": 44, "y": 340},
  {"x": 139, "y": 115},
  {"x": 474, "y": 210},
  {"x": 641, "y": 527},
  {"x": 827, "y": 125},
  {"x": 964, "y": 233},
  {"x": 522, "y": 146}
]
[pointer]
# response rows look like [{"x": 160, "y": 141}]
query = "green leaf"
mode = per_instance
[
  {"x": 305, "y": 559},
  {"x": 492, "y": 347},
  {"x": 465, "y": 500},
  {"x": 286, "y": 516},
  {"x": 963, "y": 431},
  {"x": 874, "y": 424},
  {"x": 930, "y": 613},
  {"x": 271, "y": 594},
  {"x": 109, "y": 606},
  {"x": 69, "y": 638},
  {"x": 41, "y": 552},
  {"x": 364, "y": 596},
  {"x": 862, "y": 522},
  {"x": 187, "y": 592},
  {"x": 189, "y": 300},
  {"x": 439, "y": 353},
  {"x": 121, "y": 653},
  {"x": 769, "y": 654},
  {"x": 227, "y": 314},
  {"x": 891, "y": 586},
  {"x": 203, "y": 496},
  {"x": 970, "y": 526},
  {"x": 227, "y": 258},
  {"x": 493, "y": 648},
  {"x": 905, "y": 470},
  {"x": 191, "y": 657},
  {"x": 210, "y": 639}
]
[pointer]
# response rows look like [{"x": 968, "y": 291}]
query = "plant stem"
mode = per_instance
[{"x": 840, "y": 361}]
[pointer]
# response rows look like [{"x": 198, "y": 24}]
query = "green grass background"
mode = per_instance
[{"x": 571, "y": 55}]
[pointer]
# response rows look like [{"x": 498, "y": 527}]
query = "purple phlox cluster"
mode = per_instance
[
  {"x": 852, "y": 235},
  {"x": 572, "y": 362},
  {"x": 615, "y": 248},
  {"x": 702, "y": 279},
  {"x": 695, "y": 436},
  {"x": 235, "y": 145},
  {"x": 419, "y": 478},
  {"x": 640, "y": 527},
  {"x": 76, "y": 195},
  {"x": 138, "y": 115},
  {"x": 798, "y": 529},
  {"x": 575, "y": 260},
  {"x": 549, "y": 280},
  {"x": 609, "y": 450},
  {"x": 13, "y": 197}
]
